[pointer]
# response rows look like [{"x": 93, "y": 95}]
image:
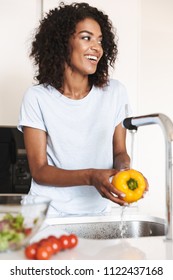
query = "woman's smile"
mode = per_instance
[{"x": 92, "y": 58}]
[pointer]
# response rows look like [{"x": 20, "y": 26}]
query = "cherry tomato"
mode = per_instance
[
  {"x": 56, "y": 244},
  {"x": 64, "y": 239},
  {"x": 41, "y": 241},
  {"x": 42, "y": 253},
  {"x": 30, "y": 251},
  {"x": 46, "y": 243},
  {"x": 51, "y": 236},
  {"x": 46, "y": 247},
  {"x": 73, "y": 240}
]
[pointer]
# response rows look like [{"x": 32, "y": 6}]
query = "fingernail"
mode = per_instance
[
  {"x": 122, "y": 194},
  {"x": 125, "y": 204},
  {"x": 110, "y": 179}
]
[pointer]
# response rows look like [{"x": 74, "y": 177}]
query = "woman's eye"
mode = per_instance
[{"x": 87, "y": 38}]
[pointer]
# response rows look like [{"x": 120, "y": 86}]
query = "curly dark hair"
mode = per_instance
[{"x": 50, "y": 47}]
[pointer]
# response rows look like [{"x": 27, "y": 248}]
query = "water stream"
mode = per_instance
[{"x": 123, "y": 225}]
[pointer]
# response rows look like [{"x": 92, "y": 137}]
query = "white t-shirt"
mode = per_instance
[{"x": 79, "y": 136}]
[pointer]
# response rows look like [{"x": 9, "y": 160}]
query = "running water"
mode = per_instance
[{"x": 123, "y": 226}]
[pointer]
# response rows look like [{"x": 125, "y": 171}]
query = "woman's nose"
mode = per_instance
[{"x": 95, "y": 45}]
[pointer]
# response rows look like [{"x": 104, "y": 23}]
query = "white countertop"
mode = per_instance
[{"x": 142, "y": 248}]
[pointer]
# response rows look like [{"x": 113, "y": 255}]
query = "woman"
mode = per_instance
[{"x": 72, "y": 118}]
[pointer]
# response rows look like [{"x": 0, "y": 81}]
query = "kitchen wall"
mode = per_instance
[
  {"x": 155, "y": 95},
  {"x": 144, "y": 65},
  {"x": 17, "y": 20}
]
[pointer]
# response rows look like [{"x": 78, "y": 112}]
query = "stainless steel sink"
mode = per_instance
[{"x": 128, "y": 228}]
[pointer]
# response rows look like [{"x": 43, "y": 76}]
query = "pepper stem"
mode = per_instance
[{"x": 132, "y": 184}]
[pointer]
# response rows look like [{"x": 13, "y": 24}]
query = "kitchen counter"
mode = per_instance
[{"x": 141, "y": 248}]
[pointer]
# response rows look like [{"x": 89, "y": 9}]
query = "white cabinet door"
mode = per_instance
[{"x": 17, "y": 21}]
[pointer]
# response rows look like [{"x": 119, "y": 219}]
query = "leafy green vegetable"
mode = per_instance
[{"x": 12, "y": 231}]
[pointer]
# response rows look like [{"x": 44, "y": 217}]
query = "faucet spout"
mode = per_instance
[{"x": 166, "y": 125}]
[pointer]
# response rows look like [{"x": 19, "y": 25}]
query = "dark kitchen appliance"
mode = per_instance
[{"x": 14, "y": 170}]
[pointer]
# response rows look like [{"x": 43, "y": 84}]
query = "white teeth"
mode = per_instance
[{"x": 92, "y": 57}]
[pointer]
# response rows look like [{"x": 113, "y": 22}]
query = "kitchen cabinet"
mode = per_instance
[{"x": 18, "y": 20}]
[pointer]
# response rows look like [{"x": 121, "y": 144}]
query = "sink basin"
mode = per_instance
[{"x": 128, "y": 228}]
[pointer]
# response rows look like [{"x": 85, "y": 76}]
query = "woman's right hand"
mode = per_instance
[{"x": 101, "y": 179}]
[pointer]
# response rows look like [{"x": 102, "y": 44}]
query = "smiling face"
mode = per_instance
[{"x": 86, "y": 47}]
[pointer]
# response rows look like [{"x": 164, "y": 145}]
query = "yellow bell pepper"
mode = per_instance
[{"x": 131, "y": 182}]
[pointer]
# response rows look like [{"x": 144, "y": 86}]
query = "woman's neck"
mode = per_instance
[{"x": 75, "y": 86}]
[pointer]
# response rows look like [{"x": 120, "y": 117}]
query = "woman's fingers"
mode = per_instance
[{"x": 113, "y": 194}]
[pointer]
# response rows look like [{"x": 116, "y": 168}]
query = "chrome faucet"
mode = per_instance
[{"x": 167, "y": 127}]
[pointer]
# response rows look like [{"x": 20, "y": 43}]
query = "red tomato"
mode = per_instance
[
  {"x": 41, "y": 241},
  {"x": 30, "y": 251},
  {"x": 46, "y": 243},
  {"x": 51, "y": 236},
  {"x": 46, "y": 247},
  {"x": 56, "y": 244},
  {"x": 42, "y": 253},
  {"x": 64, "y": 239},
  {"x": 73, "y": 240}
]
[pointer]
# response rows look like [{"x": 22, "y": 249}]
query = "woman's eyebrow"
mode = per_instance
[
  {"x": 85, "y": 31},
  {"x": 89, "y": 32}
]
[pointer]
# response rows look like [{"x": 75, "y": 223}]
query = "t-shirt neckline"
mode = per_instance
[{"x": 70, "y": 100}]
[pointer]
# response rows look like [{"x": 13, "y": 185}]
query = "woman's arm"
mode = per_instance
[{"x": 44, "y": 174}]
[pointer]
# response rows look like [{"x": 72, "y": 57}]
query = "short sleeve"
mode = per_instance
[{"x": 30, "y": 111}]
